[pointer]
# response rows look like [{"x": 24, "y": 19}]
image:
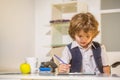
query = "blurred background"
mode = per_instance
[{"x": 25, "y": 29}]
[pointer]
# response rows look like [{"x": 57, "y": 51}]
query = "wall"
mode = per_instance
[
  {"x": 42, "y": 27},
  {"x": 17, "y": 33}
]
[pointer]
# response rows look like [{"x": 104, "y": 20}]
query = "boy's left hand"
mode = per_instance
[{"x": 107, "y": 70}]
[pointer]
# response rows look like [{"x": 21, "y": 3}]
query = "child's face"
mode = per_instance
[{"x": 83, "y": 39}]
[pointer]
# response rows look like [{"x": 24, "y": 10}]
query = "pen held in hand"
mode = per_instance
[{"x": 59, "y": 59}]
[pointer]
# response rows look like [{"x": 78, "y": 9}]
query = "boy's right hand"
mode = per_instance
[{"x": 64, "y": 68}]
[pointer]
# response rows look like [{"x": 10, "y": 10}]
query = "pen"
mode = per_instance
[{"x": 59, "y": 59}]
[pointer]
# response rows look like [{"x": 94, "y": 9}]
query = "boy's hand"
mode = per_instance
[
  {"x": 64, "y": 68},
  {"x": 106, "y": 69}
]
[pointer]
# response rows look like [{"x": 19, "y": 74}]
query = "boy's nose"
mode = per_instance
[{"x": 83, "y": 39}]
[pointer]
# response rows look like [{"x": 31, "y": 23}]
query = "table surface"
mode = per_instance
[{"x": 57, "y": 77}]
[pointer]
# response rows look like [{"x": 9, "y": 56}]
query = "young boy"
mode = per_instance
[{"x": 83, "y": 54}]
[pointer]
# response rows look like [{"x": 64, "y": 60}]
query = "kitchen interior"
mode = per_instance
[{"x": 26, "y": 29}]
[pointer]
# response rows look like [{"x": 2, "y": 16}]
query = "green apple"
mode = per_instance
[{"x": 25, "y": 68}]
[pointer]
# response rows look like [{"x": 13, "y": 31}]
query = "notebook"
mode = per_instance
[
  {"x": 9, "y": 73},
  {"x": 76, "y": 73}
]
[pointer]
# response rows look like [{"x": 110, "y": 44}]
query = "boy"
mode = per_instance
[{"x": 83, "y": 54}]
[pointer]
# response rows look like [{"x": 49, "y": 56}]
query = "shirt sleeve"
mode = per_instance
[
  {"x": 104, "y": 56},
  {"x": 66, "y": 55}
]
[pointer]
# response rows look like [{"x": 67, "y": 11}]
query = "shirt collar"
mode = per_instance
[{"x": 75, "y": 44}]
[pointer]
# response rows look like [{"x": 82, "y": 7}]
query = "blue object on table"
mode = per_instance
[{"x": 45, "y": 69}]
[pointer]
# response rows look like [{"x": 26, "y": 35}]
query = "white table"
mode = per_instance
[{"x": 56, "y": 77}]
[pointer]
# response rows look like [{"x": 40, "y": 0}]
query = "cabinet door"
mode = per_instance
[{"x": 110, "y": 24}]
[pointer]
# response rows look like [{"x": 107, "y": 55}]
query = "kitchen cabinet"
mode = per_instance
[{"x": 110, "y": 25}]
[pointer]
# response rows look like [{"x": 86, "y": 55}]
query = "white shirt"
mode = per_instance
[{"x": 88, "y": 65}]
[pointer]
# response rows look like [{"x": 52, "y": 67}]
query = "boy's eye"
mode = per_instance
[{"x": 80, "y": 36}]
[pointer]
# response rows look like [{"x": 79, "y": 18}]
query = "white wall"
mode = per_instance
[
  {"x": 42, "y": 18},
  {"x": 17, "y": 33},
  {"x": 23, "y": 25}
]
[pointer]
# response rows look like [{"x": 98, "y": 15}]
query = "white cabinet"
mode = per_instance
[
  {"x": 61, "y": 15},
  {"x": 110, "y": 24}
]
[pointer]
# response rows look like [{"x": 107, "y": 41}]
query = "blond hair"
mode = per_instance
[{"x": 85, "y": 22}]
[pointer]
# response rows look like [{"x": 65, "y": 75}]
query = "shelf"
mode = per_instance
[
  {"x": 60, "y": 21},
  {"x": 110, "y": 11},
  {"x": 57, "y": 45},
  {"x": 67, "y": 7}
]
